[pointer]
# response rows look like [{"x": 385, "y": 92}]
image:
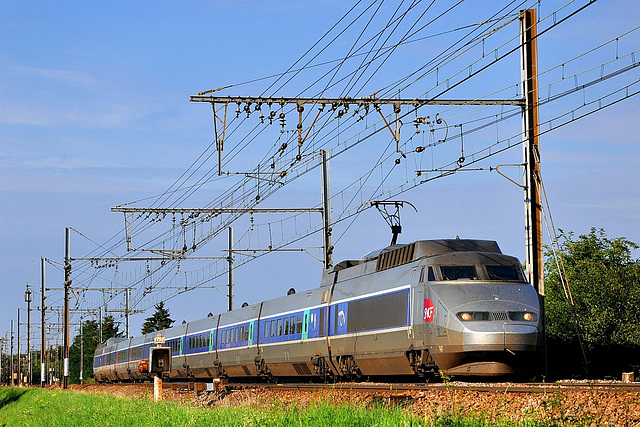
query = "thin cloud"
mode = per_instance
[{"x": 70, "y": 76}]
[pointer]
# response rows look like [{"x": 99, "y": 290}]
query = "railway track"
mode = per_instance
[
  {"x": 484, "y": 387},
  {"x": 608, "y": 386}
]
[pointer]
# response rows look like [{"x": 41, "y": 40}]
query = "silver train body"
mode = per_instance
[{"x": 429, "y": 308}]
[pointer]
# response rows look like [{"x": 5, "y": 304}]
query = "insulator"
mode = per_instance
[
  {"x": 419, "y": 149},
  {"x": 282, "y": 174},
  {"x": 247, "y": 110}
]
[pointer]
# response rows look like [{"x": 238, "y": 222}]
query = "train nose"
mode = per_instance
[{"x": 514, "y": 338}]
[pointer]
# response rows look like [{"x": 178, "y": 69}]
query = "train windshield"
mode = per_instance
[
  {"x": 459, "y": 272},
  {"x": 509, "y": 273}
]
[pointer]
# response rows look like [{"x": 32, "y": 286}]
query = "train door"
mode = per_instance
[
  {"x": 212, "y": 340},
  {"x": 251, "y": 329},
  {"x": 305, "y": 325}
]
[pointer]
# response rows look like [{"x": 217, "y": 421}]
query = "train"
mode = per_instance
[{"x": 426, "y": 310}]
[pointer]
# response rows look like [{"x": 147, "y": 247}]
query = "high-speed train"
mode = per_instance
[{"x": 426, "y": 309}]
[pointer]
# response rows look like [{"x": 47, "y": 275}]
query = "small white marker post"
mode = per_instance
[
  {"x": 157, "y": 388},
  {"x": 157, "y": 380}
]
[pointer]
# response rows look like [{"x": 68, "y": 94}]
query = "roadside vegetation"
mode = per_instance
[{"x": 600, "y": 304}]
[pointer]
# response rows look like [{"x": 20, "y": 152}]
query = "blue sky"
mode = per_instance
[{"x": 94, "y": 113}]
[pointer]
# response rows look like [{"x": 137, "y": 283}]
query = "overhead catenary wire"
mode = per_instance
[{"x": 245, "y": 196}]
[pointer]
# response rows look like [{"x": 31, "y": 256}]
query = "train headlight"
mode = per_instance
[
  {"x": 519, "y": 316},
  {"x": 467, "y": 316}
]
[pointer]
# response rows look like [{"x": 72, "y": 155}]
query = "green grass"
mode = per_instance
[{"x": 42, "y": 407}]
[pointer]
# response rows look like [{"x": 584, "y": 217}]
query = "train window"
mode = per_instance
[
  {"x": 286, "y": 326},
  {"x": 292, "y": 325},
  {"x": 459, "y": 272},
  {"x": 273, "y": 328},
  {"x": 246, "y": 334},
  {"x": 299, "y": 330},
  {"x": 321, "y": 333},
  {"x": 136, "y": 353},
  {"x": 390, "y": 311},
  {"x": 422, "y": 275},
  {"x": 241, "y": 333},
  {"x": 503, "y": 272},
  {"x": 431, "y": 277},
  {"x": 266, "y": 328},
  {"x": 279, "y": 327},
  {"x": 237, "y": 335}
]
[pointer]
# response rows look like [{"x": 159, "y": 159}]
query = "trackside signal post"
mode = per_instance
[{"x": 159, "y": 363}]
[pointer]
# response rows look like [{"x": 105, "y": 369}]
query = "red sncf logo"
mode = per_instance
[{"x": 429, "y": 309}]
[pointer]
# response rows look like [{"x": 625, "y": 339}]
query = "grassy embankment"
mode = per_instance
[{"x": 41, "y": 407}]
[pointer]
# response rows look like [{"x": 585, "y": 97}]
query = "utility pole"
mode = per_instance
[
  {"x": 100, "y": 325},
  {"x": 126, "y": 313},
  {"x": 67, "y": 287},
  {"x": 27, "y": 298},
  {"x": 326, "y": 211},
  {"x": 230, "y": 268},
  {"x": 82, "y": 349},
  {"x": 11, "y": 382},
  {"x": 43, "y": 345},
  {"x": 531, "y": 149},
  {"x": 19, "y": 383},
  {"x": 2, "y": 341}
]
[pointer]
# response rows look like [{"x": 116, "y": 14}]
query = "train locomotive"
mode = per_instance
[{"x": 426, "y": 309}]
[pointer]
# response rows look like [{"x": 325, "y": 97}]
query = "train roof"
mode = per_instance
[{"x": 399, "y": 254}]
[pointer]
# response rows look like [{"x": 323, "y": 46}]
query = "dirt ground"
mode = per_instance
[{"x": 590, "y": 406}]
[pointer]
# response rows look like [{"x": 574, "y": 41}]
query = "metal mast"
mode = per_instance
[
  {"x": 67, "y": 286},
  {"x": 230, "y": 259},
  {"x": 326, "y": 211},
  {"x": 11, "y": 360},
  {"x": 19, "y": 367},
  {"x": 27, "y": 298},
  {"x": 531, "y": 150},
  {"x": 43, "y": 349}
]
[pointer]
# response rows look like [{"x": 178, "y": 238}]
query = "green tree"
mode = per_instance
[
  {"x": 90, "y": 341},
  {"x": 160, "y": 320},
  {"x": 604, "y": 283}
]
